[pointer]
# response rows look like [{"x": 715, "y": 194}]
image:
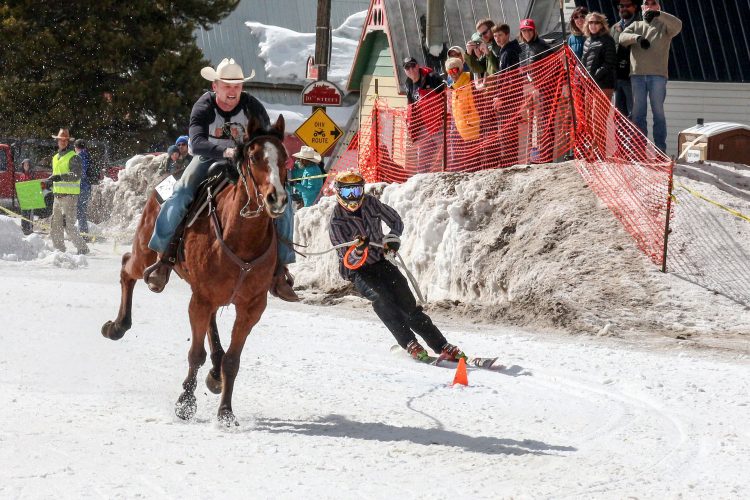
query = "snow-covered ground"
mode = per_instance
[{"x": 327, "y": 411}]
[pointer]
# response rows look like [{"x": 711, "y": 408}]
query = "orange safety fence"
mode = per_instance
[{"x": 525, "y": 115}]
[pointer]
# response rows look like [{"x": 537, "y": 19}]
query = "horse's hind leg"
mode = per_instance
[
  {"x": 213, "y": 379},
  {"x": 200, "y": 317},
  {"x": 116, "y": 329}
]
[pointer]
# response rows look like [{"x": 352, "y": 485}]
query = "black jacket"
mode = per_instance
[
  {"x": 507, "y": 56},
  {"x": 534, "y": 51},
  {"x": 429, "y": 81},
  {"x": 600, "y": 60}
]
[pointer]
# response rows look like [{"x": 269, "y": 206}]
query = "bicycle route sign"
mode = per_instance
[{"x": 319, "y": 132}]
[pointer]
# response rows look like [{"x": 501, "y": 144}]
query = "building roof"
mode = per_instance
[
  {"x": 231, "y": 38},
  {"x": 714, "y": 45}
]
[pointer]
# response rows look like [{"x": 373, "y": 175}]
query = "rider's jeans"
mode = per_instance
[{"x": 176, "y": 206}]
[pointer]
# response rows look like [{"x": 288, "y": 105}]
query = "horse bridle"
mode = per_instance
[{"x": 259, "y": 199}]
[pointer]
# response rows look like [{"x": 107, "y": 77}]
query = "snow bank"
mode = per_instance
[
  {"x": 14, "y": 246},
  {"x": 121, "y": 202},
  {"x": 286, "y": 51},
  {"x": 526, "y": 245}
]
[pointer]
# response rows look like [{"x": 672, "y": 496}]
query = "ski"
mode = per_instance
[{"x": 474, "y": 361}]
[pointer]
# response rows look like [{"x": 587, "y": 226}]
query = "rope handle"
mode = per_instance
[{"x": 359, "y": 263}]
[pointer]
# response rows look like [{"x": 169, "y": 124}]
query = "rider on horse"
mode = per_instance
[
  {"x": 227, "y": 103},
  {"x": 359, "y": 216}
]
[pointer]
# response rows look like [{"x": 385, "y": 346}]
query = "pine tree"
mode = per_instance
[{"x": 124, "y": 72}]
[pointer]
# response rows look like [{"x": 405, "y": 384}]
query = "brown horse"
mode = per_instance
[{"x": 229, "y": 258}]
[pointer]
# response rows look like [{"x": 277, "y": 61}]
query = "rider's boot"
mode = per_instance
[
  {"x": 157, "y": 274},
  {"x": 281, "y": 285}
]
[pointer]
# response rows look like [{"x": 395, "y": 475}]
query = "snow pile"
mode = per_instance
[
  {"x": 286, "y": 51},
  {"x": 121, "y": 202},
  {"x": 15, "y": 246},
  {"x": 527, "y": 245}
]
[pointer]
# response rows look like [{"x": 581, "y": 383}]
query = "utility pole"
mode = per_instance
[{"x": 323, "y": 42}]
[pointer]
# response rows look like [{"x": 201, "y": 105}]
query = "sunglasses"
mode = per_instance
[
  {"x": 454, "y": 70},
  {"x": 351, "y": 193},
  {"x": 482, "y": 33},
  {"x": 410, "y": 66}
]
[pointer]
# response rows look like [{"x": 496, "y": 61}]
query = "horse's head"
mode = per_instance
[{"x": 263, "y": 158}]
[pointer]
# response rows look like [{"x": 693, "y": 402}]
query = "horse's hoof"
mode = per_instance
[
  {"x": 185, "y": 407},
  {"x": 227, "y": 418},
  {"x": 214, "y": 384},
  {"x": 113, "y": 331}
]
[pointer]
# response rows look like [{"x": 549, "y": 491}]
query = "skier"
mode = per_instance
[{"x": 358, "y": 216}]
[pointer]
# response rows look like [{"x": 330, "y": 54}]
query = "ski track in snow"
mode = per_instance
[{"x": 326, "y": 410}]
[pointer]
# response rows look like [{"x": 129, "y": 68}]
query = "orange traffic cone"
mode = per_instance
[{"x": 461, "y": 377}]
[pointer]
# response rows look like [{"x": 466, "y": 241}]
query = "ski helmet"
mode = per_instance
[{"x": 350, "y": 190}]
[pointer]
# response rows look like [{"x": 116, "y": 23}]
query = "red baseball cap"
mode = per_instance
[{"x": 527, "y": 24}]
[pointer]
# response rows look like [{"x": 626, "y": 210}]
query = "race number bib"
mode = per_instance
[{"x": 165, "y": 188}]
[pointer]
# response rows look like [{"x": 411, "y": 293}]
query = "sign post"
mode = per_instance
[{"x": 319, "y": 132}]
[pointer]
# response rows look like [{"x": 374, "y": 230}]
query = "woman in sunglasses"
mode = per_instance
[
  {"x": 359, "y": 216},
  {"x": 577, "y": 23}
]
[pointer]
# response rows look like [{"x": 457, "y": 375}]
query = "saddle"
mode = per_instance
[{"x": 218, "y": 177}]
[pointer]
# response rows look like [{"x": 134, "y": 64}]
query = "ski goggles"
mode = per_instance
[{"x": 351, "y": 192}]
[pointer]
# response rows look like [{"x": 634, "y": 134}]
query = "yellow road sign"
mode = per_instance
[{"x": 319, "y": 132}]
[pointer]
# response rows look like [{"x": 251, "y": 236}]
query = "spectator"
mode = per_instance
[
  {"x": 82, "y": 207},
  {"x": 650, "y": 41},
  {"x": 28, "y": 215},
  {"x": 458, "y": 52},
  {"x": 537, "y": 146},
  {"x": 423, "y": 92},
  {"x": 577, "y": 24},
  {"x": 185, "y": 157},
  {"x": 173, "y": 157},
  {"x": 628, "y": 10},
  {"x": 66, "y": 186},
  {"x": 307, "y": 168},
  {"x": 599, "y": 53},
  {"x": 478, "y": 48},
  {"x": 505, "y": 52},
  {"x": 507, "y": 89},
  {"x": 533, "y": 48},
  {"x": 464, "y": 144}
]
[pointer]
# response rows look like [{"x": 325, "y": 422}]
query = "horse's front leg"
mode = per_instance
[
  {"x": 248, "y": 315},
  {"x": 213, "y": 378},
  {"x": 200, "y": 317}
]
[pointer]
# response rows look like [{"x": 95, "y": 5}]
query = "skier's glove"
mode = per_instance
[
  {"x": 392, "y": 246},
  {"x": 364, "y": 241},
  {"x": 645, "y": 44},
  {"x": 649, "y": 15}
]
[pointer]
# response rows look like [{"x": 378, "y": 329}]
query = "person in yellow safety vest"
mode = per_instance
[{"x": 66, "y": 186}]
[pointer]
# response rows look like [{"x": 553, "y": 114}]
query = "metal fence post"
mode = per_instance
[{"x": 666, "y": 224}]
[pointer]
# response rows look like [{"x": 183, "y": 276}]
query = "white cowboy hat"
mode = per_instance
[
  {"x": 63, "y": 134},
  {"x": 308, "y": 153},
  {"x": 227, "y": 71}
]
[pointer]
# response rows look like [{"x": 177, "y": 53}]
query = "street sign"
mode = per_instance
[
  {"x": 319, "y": 132},
  {"x": 321, "y": 93}
]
